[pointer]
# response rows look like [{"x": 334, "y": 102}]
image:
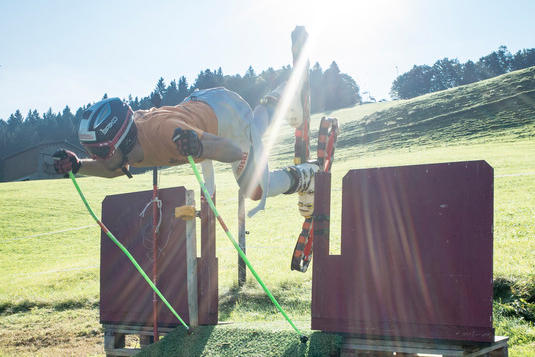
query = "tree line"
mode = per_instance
[
  {"x": 330, "y": 90},
  {"x": 448, "y": 73}
]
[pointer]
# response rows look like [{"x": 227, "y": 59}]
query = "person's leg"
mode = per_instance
[
  {"x": 262, "y": 115},
  {"x": 279, "y": 182},
  {"x": 294, "y": 179},
  {"x": 297, "y": 178},
  {"x": 275, "y": 103},
  {"x": 252, "y": 173}
]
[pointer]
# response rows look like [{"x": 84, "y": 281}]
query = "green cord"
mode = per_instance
[
  {"x": 125, "y": 251},
  {"x": 240, "y": 251}
]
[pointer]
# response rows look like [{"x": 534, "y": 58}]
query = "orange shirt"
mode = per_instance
[{"x": 155, "y": 128}]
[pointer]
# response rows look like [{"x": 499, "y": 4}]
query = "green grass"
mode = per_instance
[
  {"x": 244, "y": 339},
  {"x": 49, "y": 287}
]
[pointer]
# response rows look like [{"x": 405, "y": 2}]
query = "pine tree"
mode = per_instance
[
  {"x": 3, "y": 139},
  {"x": 329, "y": 85},
  {"x": 66, "y": 123},
  {"x": 339, "y": 89},
  {"x": 347, "y": 91},
  {"x": 32, "y": 119},
  {"x": 252, "y": 88},
  {"x": 183, "y": 90},
  {"x": 250, "y": 73},
  {"x": 317, "y": 94},
  {"x": 15, "y": 120},
  {"x": 171, "y": 97},
  {"x": 161, "y": 88}
]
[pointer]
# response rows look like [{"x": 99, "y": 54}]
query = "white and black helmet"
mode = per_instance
[{"x": 107, "y": 126}]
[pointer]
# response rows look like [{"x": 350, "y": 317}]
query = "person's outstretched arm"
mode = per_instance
[
  {"x": 92, "y": 167},
  {"x": 205, "y": 146},
  {"x": 220, "y": 149},
  {"x": 65, "y": 161}
]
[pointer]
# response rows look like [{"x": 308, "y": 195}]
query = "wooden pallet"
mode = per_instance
[
  {"x": 357, "y": 347},
  {"x": 114, "y": 338}
]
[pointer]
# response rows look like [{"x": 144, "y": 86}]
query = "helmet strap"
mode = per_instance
[
  {"x": 123, "y": 167},
  {"x": 126, "y": 171}
]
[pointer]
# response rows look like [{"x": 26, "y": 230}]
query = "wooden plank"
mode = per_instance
[
  {"x": 134, "y": 329},
  {"x": 403, "y": 343},
  {"x": 352, "y": 353},
  {"x": 122, "y": 351},
  {"x": 357, "y": 345},
  {"x": 241, "y": 239},
  {"x": 191, "y": 262},
  {"x": 404, "y": 349},
  {"x": 114, "y": 338},
  {"x": 498, "y": 349},
  {"x": 502, "y": 352}
]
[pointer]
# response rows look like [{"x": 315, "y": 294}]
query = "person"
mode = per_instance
[{"x": 211, "y": 124}]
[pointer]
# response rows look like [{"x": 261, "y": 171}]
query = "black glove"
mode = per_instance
[
  {"x": 187, "y": 142},
  {"x": 65, "y": 161}
]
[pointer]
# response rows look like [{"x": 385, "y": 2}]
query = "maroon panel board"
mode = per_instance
[
  {"x": 416, "y": 253},
  {"x": 125, "y": 297},
  {"x": 207, "y": 273}
]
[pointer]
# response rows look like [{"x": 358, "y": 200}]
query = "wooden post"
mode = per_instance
[
  {"x": 241, "y": 239},
  {"x": 191, "y": 261},
  {"x": 155, "y": 251},
  {"x": 207, "y": 266},
  {"x": 113, "y": 340},
  {"x": 302, "y": 141}
]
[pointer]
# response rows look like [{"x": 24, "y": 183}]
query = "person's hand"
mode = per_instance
[
  {"x": 65, "y": 161},
  {"x": 187, "y": 142}
]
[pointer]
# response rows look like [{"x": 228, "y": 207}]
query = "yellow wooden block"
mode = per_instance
[{"x": 185, "y": 212}]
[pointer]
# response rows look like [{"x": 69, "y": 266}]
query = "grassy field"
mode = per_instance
[{"x": 49, "y": 289}]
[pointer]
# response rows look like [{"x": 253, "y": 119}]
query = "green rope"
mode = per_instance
[
  {"x": 240, "y": 251},
  {"x": 125, "y": 251}
]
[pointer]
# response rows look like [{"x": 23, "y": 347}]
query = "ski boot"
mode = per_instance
[{"x": 303, "y": 183}]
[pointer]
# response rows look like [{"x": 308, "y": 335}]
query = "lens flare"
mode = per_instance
[{"x": 291, "y": 89}]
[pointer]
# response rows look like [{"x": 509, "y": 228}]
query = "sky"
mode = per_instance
[{"x": 57, "y": 52}]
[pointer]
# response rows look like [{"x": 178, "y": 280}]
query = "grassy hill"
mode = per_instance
[
  {"x": 499, "y": 106},
  {"x": 49, "y": 246}
]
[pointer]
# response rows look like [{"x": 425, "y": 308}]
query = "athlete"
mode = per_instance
[{"x": 211, "y": 124}]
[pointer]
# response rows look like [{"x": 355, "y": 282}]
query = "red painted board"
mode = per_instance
[
  {"x": 125, "y": 297},
  {"x": 416, "y": 253}
]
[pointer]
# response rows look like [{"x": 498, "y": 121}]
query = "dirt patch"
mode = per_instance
[{"x": 48, "y": 332}]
